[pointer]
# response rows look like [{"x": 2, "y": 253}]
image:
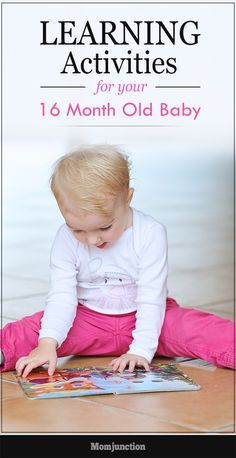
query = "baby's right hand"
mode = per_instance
[{"x": 45, "y": 352}]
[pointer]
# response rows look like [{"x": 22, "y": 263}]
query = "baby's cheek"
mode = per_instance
[
  {"x": 116, "y": 234},
  {"x": 80, "y": 238}
]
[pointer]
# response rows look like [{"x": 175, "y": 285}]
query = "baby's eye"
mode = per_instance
[{"x": 106, "y": 228}]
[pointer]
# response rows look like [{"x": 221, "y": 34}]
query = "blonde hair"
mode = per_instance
[{"x": 89, "y": 175}]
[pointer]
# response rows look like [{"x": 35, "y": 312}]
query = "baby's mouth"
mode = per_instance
[{"x": 102, "y": 245}]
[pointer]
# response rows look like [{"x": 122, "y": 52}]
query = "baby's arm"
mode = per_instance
[
  {"x": 151, "y": 300},
  {"x": 61, "y": 305}
]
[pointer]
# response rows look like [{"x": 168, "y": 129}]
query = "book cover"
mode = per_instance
[{"x": 82, "y": 381}]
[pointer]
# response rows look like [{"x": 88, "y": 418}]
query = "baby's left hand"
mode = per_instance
[{"x": 131, "y": 360}]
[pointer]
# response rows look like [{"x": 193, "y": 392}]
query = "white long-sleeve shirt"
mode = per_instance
[{"x": 130, "y": 275}]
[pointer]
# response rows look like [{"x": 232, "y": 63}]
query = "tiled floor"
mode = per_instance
[
  {"x": 199, "y": 222},
  {"x": 209, "y": 410}
]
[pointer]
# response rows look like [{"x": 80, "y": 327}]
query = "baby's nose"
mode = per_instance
[{"x": 92, "y": 238}]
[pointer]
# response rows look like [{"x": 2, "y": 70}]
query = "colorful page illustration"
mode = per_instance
[{"x": 81, "y": 381}]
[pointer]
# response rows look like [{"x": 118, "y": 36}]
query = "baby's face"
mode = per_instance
[{"x": 96, "y": 229}]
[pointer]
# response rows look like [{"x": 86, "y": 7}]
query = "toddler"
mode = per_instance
[{"x": 108, "y": 281}]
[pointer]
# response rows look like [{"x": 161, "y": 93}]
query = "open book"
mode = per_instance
[{"x": 82, "y": 381}]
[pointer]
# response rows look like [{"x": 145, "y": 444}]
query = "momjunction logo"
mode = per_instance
[{"x": 97, "y": 446}]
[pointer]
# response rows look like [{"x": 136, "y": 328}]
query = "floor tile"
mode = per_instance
[
  {"x": 226, "y": 429},
  {"x": 229, "y": 429},
  {"x": 10, "y": 390},
  {"x": 77, "y": 415},
  {"x": 8, "y": 377},
  {"x": 210, "y": 408}
]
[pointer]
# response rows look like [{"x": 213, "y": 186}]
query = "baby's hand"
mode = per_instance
[
  {"x": 131, "y": 360},
  {"x": 45, "y": 352}
]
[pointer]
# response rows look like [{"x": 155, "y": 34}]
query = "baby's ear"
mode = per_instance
[{"x": 130, "y": 195}]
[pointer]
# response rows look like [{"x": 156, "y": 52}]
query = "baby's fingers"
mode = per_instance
[
  {"x": 26, "y": 365},
  {"x": 123, "y": 364},
  {"x": 20, "y": 364},
  {"x": 52, "y": 366},
  {"x": 115, "y": 363},
  {"x": 147, "y": 367},
  {"x": 131, "y": 366},
  {"x": 29, "y": 368},
  {"x": 144, "y": 364}
]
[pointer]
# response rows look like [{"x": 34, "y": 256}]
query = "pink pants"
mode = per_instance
[{"x": 185, "y": 332}]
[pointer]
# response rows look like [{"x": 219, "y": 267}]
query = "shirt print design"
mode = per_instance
[{"x": 114, "y": 289}]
